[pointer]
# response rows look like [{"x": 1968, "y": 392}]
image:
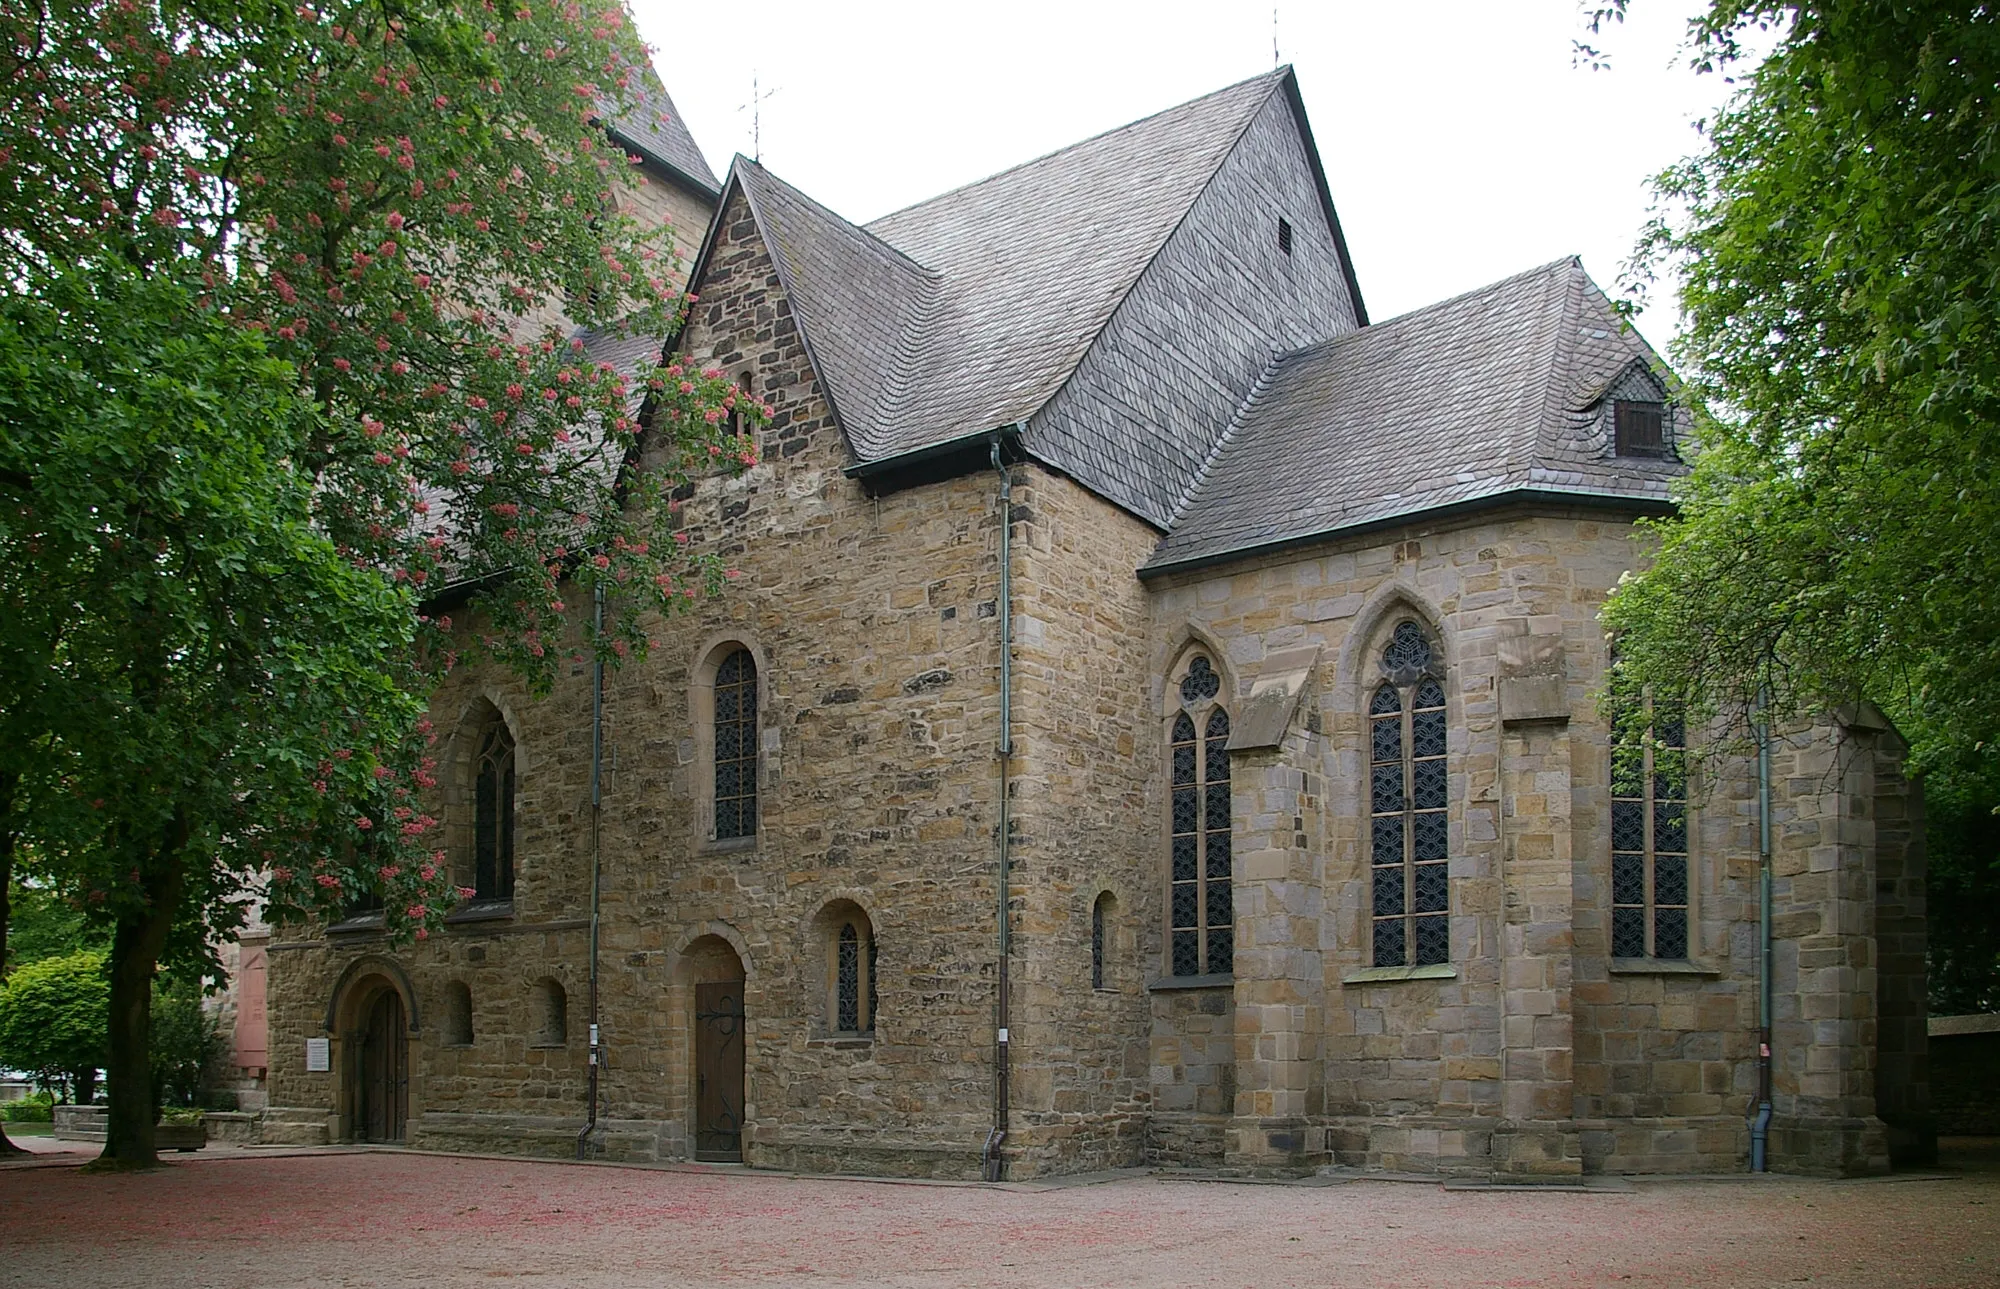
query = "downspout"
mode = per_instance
[
  {"x": 596, "y": 860},
  {"x": 993, "y": 1164},
  {"x": 1760, "y": 1125}
]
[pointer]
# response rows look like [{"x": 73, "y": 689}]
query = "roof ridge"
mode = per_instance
[
  {"x": 1529, "y": 448},
  {"x": 765, "y": 173},
  {"x": 1159, "y": 248},
  {"x": 1274, "y": 76},
  {"x": 1258, "y": 389},
  {"x": 1463, "y": 296}
]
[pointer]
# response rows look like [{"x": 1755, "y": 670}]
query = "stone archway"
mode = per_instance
[
  {"x": 371, "y": 1022},
  {"x": 716, "y": 977}
]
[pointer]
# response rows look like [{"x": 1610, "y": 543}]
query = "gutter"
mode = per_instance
[
  {"x": 993, "y": 1164},
  {"x": 880, "y": 466},
  {"x": 1760, "y": 1122},
  {"x": 596, "y": 864},
  {"x": 1513, "y": 496}
]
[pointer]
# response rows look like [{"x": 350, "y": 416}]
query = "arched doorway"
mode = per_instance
[
  {"x": 717, "y": 976},
  {"x": 382, "y": 1082}
]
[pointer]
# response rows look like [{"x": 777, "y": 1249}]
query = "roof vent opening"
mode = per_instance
[
  {"x": 1285, "y": 236},
  {"x": 1641, "y": 428}
]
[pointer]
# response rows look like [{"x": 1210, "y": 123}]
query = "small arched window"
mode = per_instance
[
  {"x": 551, "y": 1013},
  {"x": 1408, "y": 807},
  {"x": 457, "y": 1014},
  {"x": 853, "y": 976},
  {"x": 736, "y": 746},
  {"x": 493, "y": 815},
  {"x": 1201, "y": 902}
]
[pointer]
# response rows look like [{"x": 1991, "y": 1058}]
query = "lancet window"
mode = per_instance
[
  {"x": 1409, "y": 819},
  {"x": 1201, "y": 901}
]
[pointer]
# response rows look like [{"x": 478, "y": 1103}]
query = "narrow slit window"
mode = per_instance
[
  {"x": 736, "y": 746},
  {"x": 1409, "y": 816},
  {"x": 1285, "y": 236},
  {"x": 1649, "y": 841},
  {"x": 848, "y": 985}
]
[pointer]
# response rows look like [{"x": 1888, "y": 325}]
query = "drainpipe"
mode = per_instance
[
  {"x": 596, "y": 861},
  {"x": 994, "y": 1165},
  {"x": 1760, "y": 1125}
]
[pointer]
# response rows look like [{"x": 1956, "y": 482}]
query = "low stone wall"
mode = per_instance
[
  {"x": 237, "y": 1127},
  {"x": 1965, "y": 1075},
  {"x": 79, "y": 1122}
]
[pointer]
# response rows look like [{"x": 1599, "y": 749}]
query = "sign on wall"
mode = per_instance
[{"x": 319, "y": 1055}]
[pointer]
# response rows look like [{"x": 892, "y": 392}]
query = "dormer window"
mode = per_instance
[{"x": 1641, "y": 428}]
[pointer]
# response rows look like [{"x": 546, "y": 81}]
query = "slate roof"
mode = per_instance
[
  {"x": 1495, "y": 392},
  {"x": 967, "y": 312},
  {"x": 654, "y": 128},
  {"x": 1033, "y": 261}
]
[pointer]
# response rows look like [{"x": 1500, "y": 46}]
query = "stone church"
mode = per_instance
[{"x": 1156, "y": 723}]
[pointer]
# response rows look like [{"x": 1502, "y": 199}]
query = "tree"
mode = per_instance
[
  {"x": 52, "y": 1021},
  {"x": 1840, "y": 284},
  {"x": 327, "y": 223}
]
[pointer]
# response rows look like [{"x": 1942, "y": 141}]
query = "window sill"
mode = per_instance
[
  {"x": 1662, "y": 967},
  {"x": 375, "y": 923},
  {"x": 844, "y": 1041},
  {"x": 480, "y": 911},
  {"x": 728, "y": 845},
  {"x": 1390, "y": 975},
  {"x": 547, "y": 1047},
  {"x": 1167, "y": 984}
]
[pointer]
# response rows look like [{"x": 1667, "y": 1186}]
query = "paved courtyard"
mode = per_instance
[{"x": 242, "y": 1218}]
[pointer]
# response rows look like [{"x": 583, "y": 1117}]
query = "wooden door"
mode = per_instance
[
  {"x": 385, "y": 1071},
  {"x": 718, "y": 1063}
]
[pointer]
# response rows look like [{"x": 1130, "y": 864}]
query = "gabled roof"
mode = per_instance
[
  {"x": 968, "y": 312},
  {"x": 655, "y": 130},
  {"x": 1035, "y": 259},
  {"x": 860, "y": 303},
  {"x": 1486, "y": 396}
]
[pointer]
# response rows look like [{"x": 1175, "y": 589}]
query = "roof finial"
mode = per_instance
[
  {"x": 756, "y": 109},
  {"x": 1274, "y": 36}
]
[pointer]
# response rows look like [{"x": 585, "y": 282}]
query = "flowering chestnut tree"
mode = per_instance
[{"x": 303, "y": 298}]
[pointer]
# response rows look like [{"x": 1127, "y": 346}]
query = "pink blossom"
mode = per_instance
[
  {"x": 364, "y": 823},
  {"x": 395, "y": 220}
]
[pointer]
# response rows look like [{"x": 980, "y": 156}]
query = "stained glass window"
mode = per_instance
[
  {"x": 736, "y": 746},
  {"x": 1409, "y": 835},
  {"x": 847, "y": 982},
  {"x": 1201, "y": 897},
  {"x": 493, "y": 815},
  {"x": 1649, "y": 841}
]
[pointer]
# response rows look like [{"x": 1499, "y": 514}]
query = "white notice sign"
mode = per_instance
[{"x": 319, "y": 1056}]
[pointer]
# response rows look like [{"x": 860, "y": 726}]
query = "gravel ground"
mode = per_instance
[{"x": 240, "y": 1218}]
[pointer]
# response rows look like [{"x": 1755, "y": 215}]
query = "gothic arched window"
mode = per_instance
[
  {"x": 493, "y": 815},
  {"x": 736, "y": 746},
  {"x": 1201, "y": 901},
  {"x": 1409, "y": 821},
  {"x": 1649, "y": 840}
]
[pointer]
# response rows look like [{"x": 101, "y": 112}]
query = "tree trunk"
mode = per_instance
[
  {"x": 136, "y": 945},
  {"x": 8, "y": 781}
]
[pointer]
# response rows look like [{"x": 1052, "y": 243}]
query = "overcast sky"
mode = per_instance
[{"x": 1460, "y": 144}]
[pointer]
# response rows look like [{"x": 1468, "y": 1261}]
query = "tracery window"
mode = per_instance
[
  {"x": 736, "y": 746},
  {"x": 1202, "y": 933},
  {"x": 493, "y": 815},
  {"x": 1409, "y": 821},
  {"x": 1649, "y": 841}
]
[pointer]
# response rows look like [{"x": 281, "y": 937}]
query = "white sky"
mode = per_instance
[{"x": 1459, "y": 143}]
